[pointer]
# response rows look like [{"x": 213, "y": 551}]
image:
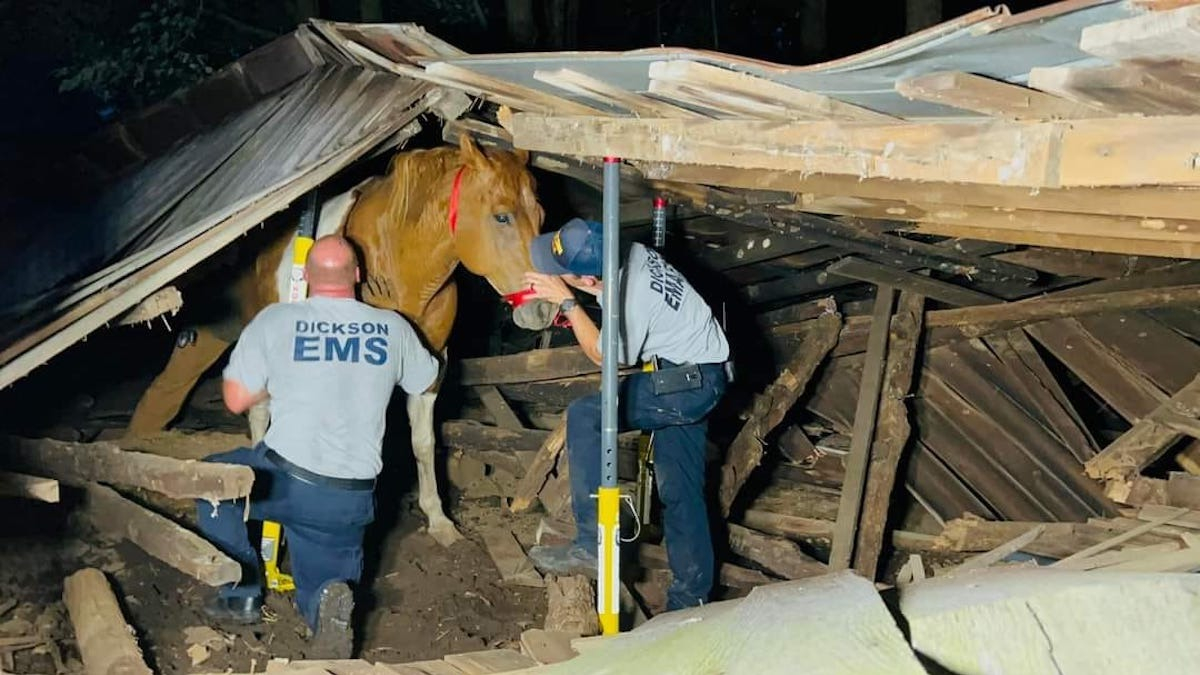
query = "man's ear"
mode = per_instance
[{"x": 357, "y": 275}]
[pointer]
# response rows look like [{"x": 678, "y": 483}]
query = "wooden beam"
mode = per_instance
[
  {"x": 754, "y": 249},
  {"x": 528, "y": 366},
  {"x": 598, "y": 90},
  {"x": 1090, "y": 152},
  {"x": 513, "y": 94},
  {"x": 845, "y": 532},
  {"x": 494, "y": 401},
  {"x": 182, "y": 549},
  {"x": 1146, "y": 440},
  {"x": 891, "y": 432},
  {"x": 985, "y": 560},
  {"x": 29, "y": 487},
  {"x": 991, "y": 97},
  {"x": 106, "y": 642},
  {"x": 1127, "y": 88},
  {"x": 541, "y": 466},
  {"x": 1121, "y": 538},
  {"x": 1099, "y": 244},
  {"x": 774, "y": 554},
  {"x": 746, "y": 451},
  {"x": 80, "y": 463},
  {"x": 942, "y": 291},
  {"x": 755, "y": 93}
]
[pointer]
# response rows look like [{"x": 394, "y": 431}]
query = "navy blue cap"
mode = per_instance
[{"x": 574, "y": 249}]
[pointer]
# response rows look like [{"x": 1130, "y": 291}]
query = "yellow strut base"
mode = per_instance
[
  {"x": 272, "y": 537},
  {"x": 608, "y": 581}
]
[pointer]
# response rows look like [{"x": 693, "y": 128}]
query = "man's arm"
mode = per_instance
[{"x": 239, "y": 399}]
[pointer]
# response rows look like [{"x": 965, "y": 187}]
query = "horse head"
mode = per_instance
[{"x": 495, "y": 215}]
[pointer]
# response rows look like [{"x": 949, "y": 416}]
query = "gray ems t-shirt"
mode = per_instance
[
  {"x": 663, "y": 316},
  {"x": 330, "y": 365}
]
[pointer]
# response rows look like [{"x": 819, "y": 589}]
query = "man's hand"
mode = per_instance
[{"x": 548, "y": 287}]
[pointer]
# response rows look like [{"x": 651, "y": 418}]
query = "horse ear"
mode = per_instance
[
  {"x": 471, "y": 154},
  {"x": 522, "y": 156}
]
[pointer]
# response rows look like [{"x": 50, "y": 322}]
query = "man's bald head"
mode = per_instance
[{"x": 331, "y": 267}]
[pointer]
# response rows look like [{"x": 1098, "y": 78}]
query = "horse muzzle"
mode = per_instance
[{"x": 528, "y": 313}]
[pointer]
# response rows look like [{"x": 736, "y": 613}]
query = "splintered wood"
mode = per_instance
[{"x": 746, "y": 451}]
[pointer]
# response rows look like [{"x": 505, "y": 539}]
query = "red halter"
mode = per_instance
[{"x": 516, "y": 299}]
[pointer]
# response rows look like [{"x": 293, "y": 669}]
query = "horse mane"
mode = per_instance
[{"x": 411, "y": 174}]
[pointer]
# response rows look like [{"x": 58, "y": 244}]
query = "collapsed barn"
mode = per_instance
[{"x": 957, "y": 273}]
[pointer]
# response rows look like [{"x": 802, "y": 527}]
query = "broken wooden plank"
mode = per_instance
[
  {"x": 106, "y": 642},
  {"x": 746, "y": 451},
  {"x": 774, "y": 554},
  {"x": 607, "y": 94},
  {"x": 182, "y": 549},
  {"x": 846, "y": 528},
  {"x": 514, "y": 566},
  {"x": 548, "y": 646},
  {"x": 494, "y": 401},
  {"x": 514, "y": 450},
  {"x": 1183, "y": 560},
  {"x": 784, "y": 525},
  {"x": 1145, "y": 441},
  {"x": 29, "y": 487},
  {"x": 1127, "y": 554},
  {"x": 1122, "y": 538},
  {"x": 430, "y": 667},
  {"x": 891, "y": 433},
  {"x": 1183, "y": 489},
  {"x": 752, "y": 91},
  {"x": 1170, "y": 34},
  {"x": 489, "y": 661},
  {"x": 999, "y": 553},
  {"x": 537, "y": 471},
  {"x": 80, "y": 463},
  {"x": 991, "y": 97},
  {"x": 942, "y": 291},
  {"x": 529, "y": 366}
]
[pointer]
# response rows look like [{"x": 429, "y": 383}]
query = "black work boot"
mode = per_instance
[
  {"x": 333, "y": 638},
  {"x": 243, "y": 610}
]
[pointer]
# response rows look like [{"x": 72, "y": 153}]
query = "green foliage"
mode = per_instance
[{"x": 156, "y": 55}]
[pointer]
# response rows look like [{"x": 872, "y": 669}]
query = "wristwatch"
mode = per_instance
[{"x": 567, "y": 305}]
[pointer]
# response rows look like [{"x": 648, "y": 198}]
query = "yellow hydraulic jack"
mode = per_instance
[{"x": 272, "y": 532}]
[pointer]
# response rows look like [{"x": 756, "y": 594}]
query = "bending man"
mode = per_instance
[
  {"x": 328, "y": 365},
  {"x": 664, "y": 320}
]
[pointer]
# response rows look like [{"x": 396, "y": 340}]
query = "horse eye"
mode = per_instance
[{"x": 504, "y": 218}]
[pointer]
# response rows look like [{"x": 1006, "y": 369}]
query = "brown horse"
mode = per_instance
[{"x": 433, "y": 210}]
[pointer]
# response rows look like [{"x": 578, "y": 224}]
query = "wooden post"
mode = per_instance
[
  {"x": 864, "y": 429},
  {"x": 571, "y": 605},
  {"x": 106, "y": 643},
  {"x": 81, "y": 463},
  {"x": 746, "y": 451},
  {"x": 774, "y": 554},
  {"x": 891, "y": 434},
  {"x": 182, "y": 549}
]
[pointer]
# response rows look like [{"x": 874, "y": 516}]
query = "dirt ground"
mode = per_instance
[{"x": 423, "y": 601}]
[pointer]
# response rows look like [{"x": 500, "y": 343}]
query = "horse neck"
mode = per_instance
[{"x": 416, "y": 252}]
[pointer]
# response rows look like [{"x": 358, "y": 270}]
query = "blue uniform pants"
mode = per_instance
[
  {"x": 679, "y": 422},
  {"x": 323, "y": 527}
]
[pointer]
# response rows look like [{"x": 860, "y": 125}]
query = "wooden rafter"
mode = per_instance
[
  {"x": 595, "y": 89},
  {"x": 991, "y": 97},
  {"x": 752, "y": 94}
]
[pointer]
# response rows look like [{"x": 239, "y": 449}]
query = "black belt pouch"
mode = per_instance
[{"x": 676, "y": 379}]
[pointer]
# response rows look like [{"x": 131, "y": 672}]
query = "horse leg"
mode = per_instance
[
  {"x": 420, "y": 418},
  {"x": 164, "y": 398}
]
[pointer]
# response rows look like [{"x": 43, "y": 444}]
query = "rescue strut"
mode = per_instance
[{"x": 608, "y": 584}]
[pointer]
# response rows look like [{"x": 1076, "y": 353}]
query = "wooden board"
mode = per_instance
[
  {"x": 845, "y": 531},
  {"x": 1146, "y": 440},
  {"x": 774, "y": 554},
  {"x": 109, "y": 512},
  {"x": 106, "y": 642},
  {"x": 29, "y": 487},
  {"x": 1104, "y": 152},
  {"x": 865, "y": 270},
  {"x": 489, "y": 661},
  {"x": 514, "y": 567},
  {"x": 494, "y": 401},
  {"x": 991, "y": 97}
]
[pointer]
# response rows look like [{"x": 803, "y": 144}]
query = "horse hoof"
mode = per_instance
[{"x": 445, "y": 534}]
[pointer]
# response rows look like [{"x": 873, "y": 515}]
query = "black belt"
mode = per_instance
[{"x": 302, "y": 474}]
